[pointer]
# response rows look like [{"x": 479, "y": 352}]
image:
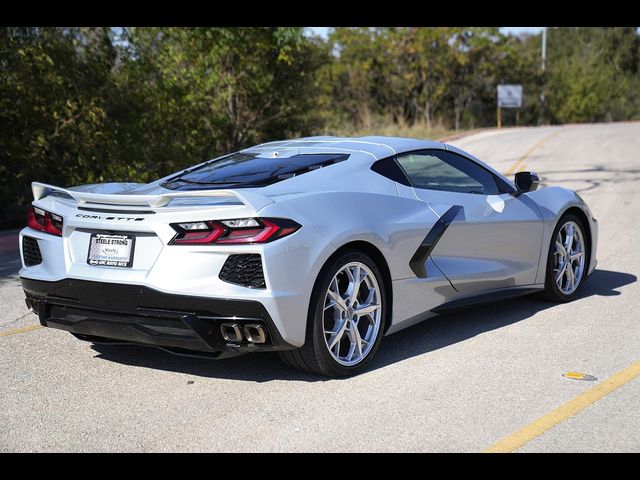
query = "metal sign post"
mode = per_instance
[
  {"x": 544, "y": 66},
  {"x": 509, "y": 96}
]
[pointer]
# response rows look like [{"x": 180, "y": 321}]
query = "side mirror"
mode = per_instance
[{"x": 526, "y": 182}]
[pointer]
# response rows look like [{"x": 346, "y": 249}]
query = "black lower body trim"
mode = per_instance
[
  {"x": 136, "y": 314},
  {"x": 181, "y": 352},
  {"x": 485, "y": 298}
]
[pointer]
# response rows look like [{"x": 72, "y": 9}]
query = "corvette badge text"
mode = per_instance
[{"x": 100, "y": 217}]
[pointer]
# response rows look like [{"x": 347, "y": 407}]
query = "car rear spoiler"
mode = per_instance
[{"x": 251, "y": 199}]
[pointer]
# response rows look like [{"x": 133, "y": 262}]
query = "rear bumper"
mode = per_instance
[{"x": 138, "y": 314}]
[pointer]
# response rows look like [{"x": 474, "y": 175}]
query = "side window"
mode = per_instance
[
  {"x": 443, "y": 170},
  {"x": 389, "y": 168}
]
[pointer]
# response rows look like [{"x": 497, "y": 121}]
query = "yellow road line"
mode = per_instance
[
  {"x": 512, "y": 168},
  {"x": 575, "y": 405},
  {"x": 517, "y": 163},
  {"x": 20, "y": 330}
]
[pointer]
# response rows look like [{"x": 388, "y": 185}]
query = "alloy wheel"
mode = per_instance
[
  {"x": 352, "y": 313},
  {"x": 568, "y": 258}
]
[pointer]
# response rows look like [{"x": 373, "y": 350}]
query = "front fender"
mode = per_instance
[{"x": 554, "y": 202}]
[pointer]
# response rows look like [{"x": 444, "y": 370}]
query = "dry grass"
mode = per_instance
[{"x": 417, "y": 130}]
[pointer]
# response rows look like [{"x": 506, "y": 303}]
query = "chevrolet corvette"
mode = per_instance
[{"x": 315, "y": 248}]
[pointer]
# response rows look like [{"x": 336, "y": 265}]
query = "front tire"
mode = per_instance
[
  {"x": 347, "y": 316},
  {"x": 567, "y": 262}
]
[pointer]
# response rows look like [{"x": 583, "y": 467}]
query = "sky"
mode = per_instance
[{"x": 322, "y": 31}]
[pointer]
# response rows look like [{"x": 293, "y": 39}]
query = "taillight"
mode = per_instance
[
  {"x": 233, "y": 232},
  {"x": 44, "y": 221}
]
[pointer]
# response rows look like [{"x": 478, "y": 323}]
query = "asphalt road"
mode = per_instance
[{"x": 459, "y": 382}]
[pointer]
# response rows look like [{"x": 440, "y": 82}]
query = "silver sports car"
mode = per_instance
[{"x": 315, "y": 248}]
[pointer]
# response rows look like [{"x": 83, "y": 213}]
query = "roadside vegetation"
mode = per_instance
[{"x": 85, "y": 105}]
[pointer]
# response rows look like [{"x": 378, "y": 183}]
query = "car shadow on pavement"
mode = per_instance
[
  {"x": 9, "y": 266},
  {"x": 433, "y": 334},
  {"x": 9, "y": 255},
  {"x": 448, "y": 329}
]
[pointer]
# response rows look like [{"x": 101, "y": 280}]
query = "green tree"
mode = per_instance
[
  {"x": 54, "y": 84},
  {"x": 86, "y": 105},
  {"x": 593, "y": 74}
]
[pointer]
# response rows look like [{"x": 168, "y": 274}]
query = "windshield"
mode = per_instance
[{"x": 249, "y": 170}]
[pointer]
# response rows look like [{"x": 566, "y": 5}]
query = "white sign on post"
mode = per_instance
[{"x": 510, "y": 96}]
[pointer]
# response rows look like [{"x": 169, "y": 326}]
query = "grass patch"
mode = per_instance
[{"x": 417, "y": 130}]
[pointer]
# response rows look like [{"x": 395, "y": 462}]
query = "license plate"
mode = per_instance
[{"x": 111, "y": 250}]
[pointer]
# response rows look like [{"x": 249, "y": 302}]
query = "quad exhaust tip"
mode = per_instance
[
  {"x": 231, "y": 332},
  {"x": 32, "y": 305},
  {"x": 252, "y": 332},
  {"x": 255, "y": 333}
]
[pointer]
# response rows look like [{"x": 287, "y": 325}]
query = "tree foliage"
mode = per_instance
[{"x": 85, "y": 105}]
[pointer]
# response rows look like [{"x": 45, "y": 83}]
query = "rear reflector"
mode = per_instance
[
  {"x": 31, "y": 251},
  {"x": 243, "y": 269}
]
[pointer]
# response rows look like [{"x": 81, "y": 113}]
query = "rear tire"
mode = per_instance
[
  {"x": 346, "y": 319},
  {"x": 567, "y": 261}
]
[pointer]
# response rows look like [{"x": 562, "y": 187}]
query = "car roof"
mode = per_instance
[
  {"x": 374, "y": 146},
  {"x": 367, "y": 149}
]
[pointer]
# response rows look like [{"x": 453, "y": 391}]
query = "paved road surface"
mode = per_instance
[{"x": 456, "y": 383}]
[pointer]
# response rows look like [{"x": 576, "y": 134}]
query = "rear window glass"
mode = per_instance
[{"x": 249, "y": 170}]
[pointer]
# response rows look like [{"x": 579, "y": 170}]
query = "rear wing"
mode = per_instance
[{"x": 253, "y": 200}]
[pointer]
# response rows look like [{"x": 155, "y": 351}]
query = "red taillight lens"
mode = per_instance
[
  {"x": 199, "y": 236},
  {"x": 44, "y": 221},
  {"x": 233, "y": 232},
  {"x": 252, "y": 235}
]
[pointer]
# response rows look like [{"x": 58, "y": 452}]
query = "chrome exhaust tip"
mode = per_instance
[
  {"x": 255, "y": 333},
  {"x": 231, "y": 332},
  {"x": 32, "y": 305}
]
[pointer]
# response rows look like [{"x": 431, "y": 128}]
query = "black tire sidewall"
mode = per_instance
[
  {"x": 325, "y": 358},
  {"x": 551, "y": 285}
]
